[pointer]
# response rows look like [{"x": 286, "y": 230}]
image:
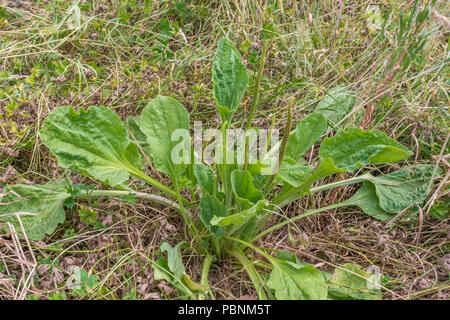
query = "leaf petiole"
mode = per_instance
[
  {"x": 204, "y": 279},
  {"x": 160, "y": 186},
  {"x": 297, "y": 193},
  {"x": 306, "y": 214},
  {"x": 120, "y": 193},
  {"x": 251, "y": 271}
]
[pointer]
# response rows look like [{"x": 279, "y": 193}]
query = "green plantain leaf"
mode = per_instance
[
  {"x": 347, "y": 285},
  {"x": 174, "y": 260},
  {"x": 205, "y": 178},
  {"x": 324, "y": 169},
  {"x": 92, "y": 142},
  {"x": 293, "y": 281},
  {"x": 366, "y": 198},
  {"x": 308, "y": 131},
  {"x": 240, "y": 217},
  {"x": 347, "y": 151},
  {"x": 158, "y": 121},
  {"x": 338, "y": 102},
  {"x": 229, "y": 77},
  {"x": 293, "y": 173},
  {"x": 245, "y": 191},
  {"x": 172, "y": 270},
  {"x": 210, "y": 207},
  {"x": 258, "y": 167},
  {"x": 133, "y": 124},
  {"x": 44, "y": 201},
  {"x": 440, "y": 210},
  {"x": 389, "y": 194},
  {"x": 404, "y": 187},
  {"x": 161, "y": 271},
  {"x": 353, "y": 148}
]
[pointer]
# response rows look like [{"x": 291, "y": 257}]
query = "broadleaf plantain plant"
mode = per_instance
[{"x": 234, "y": 205}]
